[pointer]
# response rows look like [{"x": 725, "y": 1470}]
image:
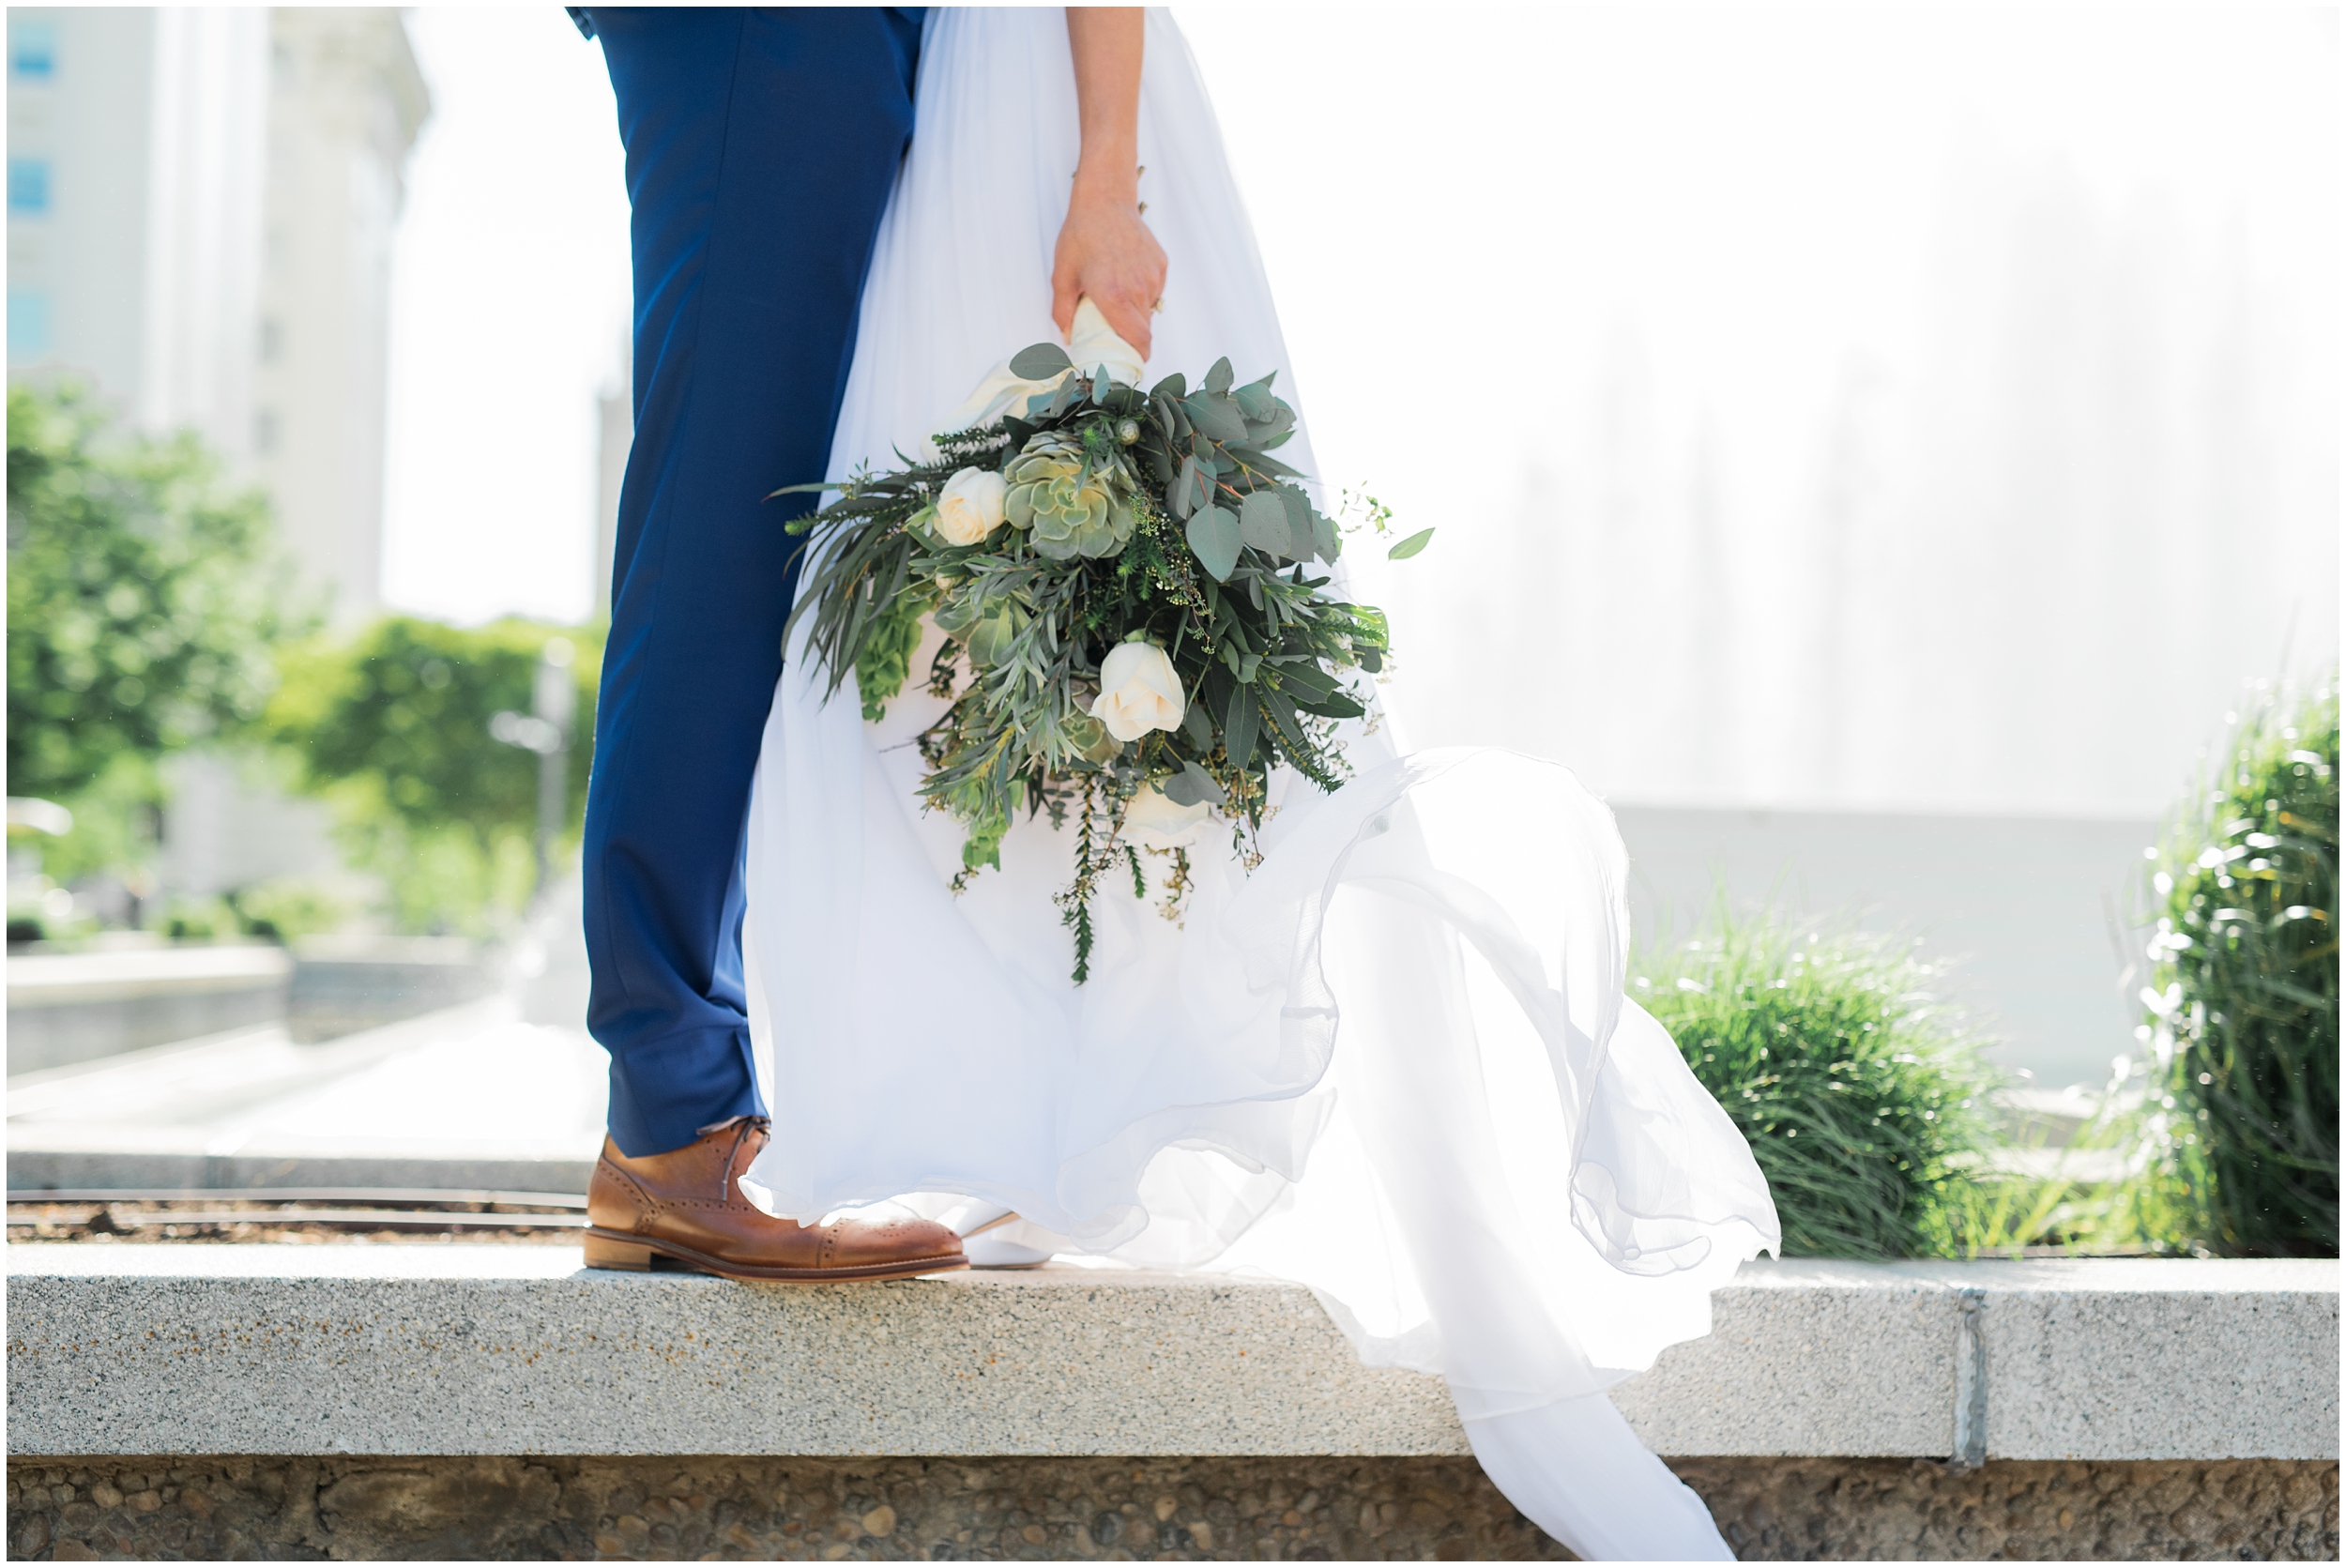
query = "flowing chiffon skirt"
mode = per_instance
[{"x": 1393, "y": 1061}]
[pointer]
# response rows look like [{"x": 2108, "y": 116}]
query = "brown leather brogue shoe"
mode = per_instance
[{"x": 685, "y": 1207}]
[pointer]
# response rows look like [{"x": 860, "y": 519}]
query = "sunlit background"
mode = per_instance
[
  {"x": 1881, "y": 407},
  {"x": 1891, "y": 435}
]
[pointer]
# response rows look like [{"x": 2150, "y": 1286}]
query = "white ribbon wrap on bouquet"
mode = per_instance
[{"x": 1092, "y": 346}]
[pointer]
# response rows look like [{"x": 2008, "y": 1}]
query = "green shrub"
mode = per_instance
[
  {"x": 2243, "y": 1111},
  {"x": 279, "y": 910},
  {"x": 200, "y": 920},
  {"x": 1862, "y": 1095},
  {"x": 287, "y": 908},
  {"x": 392, "y": 726},
  {"x": 145, "y": 597}
]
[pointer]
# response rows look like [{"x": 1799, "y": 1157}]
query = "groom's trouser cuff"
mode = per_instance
[{"x": 666, "y": 1092}]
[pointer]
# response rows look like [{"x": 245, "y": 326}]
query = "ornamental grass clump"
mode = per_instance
[
  {"x": 1862, "y": 1092},
  {"x": 2243, "y": 1114}
]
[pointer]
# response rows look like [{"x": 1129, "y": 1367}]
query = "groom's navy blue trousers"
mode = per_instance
[{"x": 761, "y": 145}]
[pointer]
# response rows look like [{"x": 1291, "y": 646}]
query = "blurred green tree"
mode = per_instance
[
  {"x": 146, "y": 596},
  {"x": 392, "y": 726}
]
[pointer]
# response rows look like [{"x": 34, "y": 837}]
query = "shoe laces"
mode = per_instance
[{"x": 742, "y": 1129}]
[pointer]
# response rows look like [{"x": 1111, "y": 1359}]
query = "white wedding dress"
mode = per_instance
[{"x": 1393, "y": 1062}]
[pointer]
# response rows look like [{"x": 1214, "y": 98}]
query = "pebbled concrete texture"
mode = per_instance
[
  {"x": 2149, "y": 1363},
  {"x": 524, "y": 1352},
  {"x": 1806, "y": 1358},
  {"x": 1126, "y": 1509},
  {"x": 2131, "y": 1511},
  {"x": 488, "y": 1351}
]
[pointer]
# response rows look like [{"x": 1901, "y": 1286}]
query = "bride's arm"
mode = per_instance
[{"x": 1105, "y": 251}]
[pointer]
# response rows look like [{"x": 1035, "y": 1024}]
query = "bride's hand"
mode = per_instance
[{"x": 1105, "y": 252}]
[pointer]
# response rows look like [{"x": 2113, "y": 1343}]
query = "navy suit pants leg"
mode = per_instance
[{"x": 761, "y": 149}]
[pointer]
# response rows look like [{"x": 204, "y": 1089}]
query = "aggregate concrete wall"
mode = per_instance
[
  {"x": 488, "y": 1350},
  {"x": 1124, "y": 1509}
]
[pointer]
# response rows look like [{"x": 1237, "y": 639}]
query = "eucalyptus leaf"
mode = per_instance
[
  {"x": 1410, "y": 545},
  {"x": 1283, "y": 720},
  {"x": 1214, "y": 696},
  {"x": 1193, "y": 786},
  {"x": 1299, "y": 509},
  {"x": 1169, "y": 415},
  {"x": 1215, "y": 417},
  {"x": 1238, "y": 725},
  {"x": 1218, "y": 379},
  {"x": 1213, "y": 535},
  {"x": 1184, "y": 496},
  {"x": 1263, "y": 524},
  {"x": 1304, "y": 675},
  {"x": 1325, "y": 539},
  {"x": 1195, "y": 725},
  {"x": 1174, "y": 385},
  {"x": 1040, "y": 362}
]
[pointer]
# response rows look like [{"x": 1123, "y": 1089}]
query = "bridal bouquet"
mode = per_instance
[{"x": 1134, "y": 636}]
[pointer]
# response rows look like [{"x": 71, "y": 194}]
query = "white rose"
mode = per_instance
[
  {"x": 1138, "y": 692},
  {"x": 971, "y": 507},
  {"x": 1155, "y": 821}
]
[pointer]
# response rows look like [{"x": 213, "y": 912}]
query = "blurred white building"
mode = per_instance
[
  {"x": 201, "y": 207},
  {"x": 345, "y": 103},
  {"x": 137, "y": 150},
  {"x": 201, "y": 211}
]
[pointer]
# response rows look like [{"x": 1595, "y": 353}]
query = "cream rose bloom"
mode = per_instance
[
  {"x": 1155, "y": 821},
  {"x": 1138, "y": 692},
  {"x": 971, "y": 507}
]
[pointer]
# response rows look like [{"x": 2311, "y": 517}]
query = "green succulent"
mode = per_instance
[{"x": 1071, "y": 504}]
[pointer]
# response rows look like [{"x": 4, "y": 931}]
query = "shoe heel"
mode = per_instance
[{"x": 604, "y": 1252}]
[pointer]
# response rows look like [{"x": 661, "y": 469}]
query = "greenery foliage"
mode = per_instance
[
  {"x": 1124, "y": 516},
  {"x": 2242, "y": 1114},
  {"x": 145, "y": 599},
  {"x": 1863, "y": 1094},
  {"x": 279, "y": 910},
  {"x": 392, "y": 726}
]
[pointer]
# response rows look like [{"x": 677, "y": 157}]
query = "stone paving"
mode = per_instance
[{"x": 1165, "y": 1509}]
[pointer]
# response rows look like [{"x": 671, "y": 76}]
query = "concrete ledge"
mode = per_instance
[
  {"x": 344, "y": 985},
  {"x": 167, "y": 1349},
  {"x": 45, "y": 1169},
  {"x": 79, "y": 1006},
  {"x": 65, "y": 978}
]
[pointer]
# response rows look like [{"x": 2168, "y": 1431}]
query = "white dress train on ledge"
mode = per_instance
[{"x": 1393, "y": 1062}]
